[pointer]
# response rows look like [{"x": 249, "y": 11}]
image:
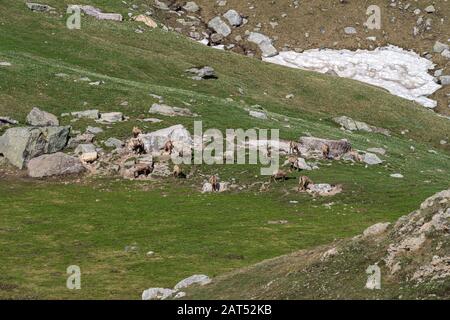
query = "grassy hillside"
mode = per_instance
[{"x": 47, "y": 225}]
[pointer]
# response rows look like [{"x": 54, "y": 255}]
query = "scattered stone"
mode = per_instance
[
  {"x": 157, "y": 294},
  {"x": 264, "y": 43},
  {"x": 161, "y": 5},
  {"x": 233, "y": 17},
  {"x": 195, "y": 279},
  {"x": 111, "y": 117},
  {"x": 7, "y": 121},
  {"x": 39, "y": 118},
  {"x": 114, "y": 143},
  {"x": 348, "y": 123},
  {"x": 258, "y": 114},
  {"x": 149, "y": 22},
  {"x": 167, "y": 110},
  {"x": 54, "y": 165},
  {"x": 20, "y": 144},
  {"x": 444, "y": 80},
  {"x": 39, "y": 7},
  {"x": 376, "y": 229},
  {"x": 329, "y": 254},
  {"x": 324, "y": 189},
  {"x": 84, "y": 138},
  {"x": 191, "y": 6},
  {"x": 430, "y": 9},
  {"x": 350, "y": 30},
  {"x": 219, "y": 26},
  {"x": 396, "y": 175},
  {"x": 180, "y": 295},
  {"x": 371, "y": 159},
  {"x": 89, "y": 114},
  {"x": 87, "y": 153},
  {"x": 98, "y": 14},
  {"x": 94, "y": 130},
  {"x": 152, "y": 120},
  {"x": 439, "y": 47},
  {"x": 202, "y": 73},
  {"x": 5, "y": 64}
]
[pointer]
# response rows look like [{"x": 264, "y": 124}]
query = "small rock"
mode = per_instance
[
  {"x": 195, "y": 279},
  {"x": 39, "y": 118}
]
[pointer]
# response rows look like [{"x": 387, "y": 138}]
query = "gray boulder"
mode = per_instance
[
  {"x": 350, "y": 30},
  {"x": 439, "y": 47},
  {"x": 178, "y": 134},
  {"x": 199, "y": 279},
  {"x": 111, "y": 117},
  {"x": 264, "y": 43},
  {"x": 157, "y": 294},
  {"x": 191, "y": 6},
  {"x": 202, "y": 73},
  {"x": 39, "y": 7},
  {"x": 19, "y": 145},
  {"x": 233, "y": 17},
  {"x": 219, "y": 26},
  {"x": 54, "y": 165},
  {"x": 371, "y": 159},
  {"x": 311, "y": 146},
  {"x": 258, "y": 114},
  {"x": 39, "y": 118},
  {"x": 167, "y": 110},
  {"x": 114, "y": 143},
  {"x": 89, "y": 114}
]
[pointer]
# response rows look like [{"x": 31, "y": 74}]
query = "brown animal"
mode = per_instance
[
  {"x": 293, "y": 148},
  {"x": 177, "y": 172},
  {"x": 136, "y": 132},
  {"x": 326, "y": 151},
  {"x": 142, "y": 169},
  {"x": 168, "y": 146},
  {"x": 355, "y": 156},
  {"x": 293, "y": 162},
  {"x": 278, "y": 175},
  {"x": 303, "y": 183},
  {"x": 136, "y": 145},
  {"x": 214, "y": 182}
]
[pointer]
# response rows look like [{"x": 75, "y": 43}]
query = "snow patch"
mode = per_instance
[{"x": 403, "y": 73}]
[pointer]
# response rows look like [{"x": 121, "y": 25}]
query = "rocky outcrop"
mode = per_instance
[
  {"x": 21, "y": 144},
  {"x": 169, "y": 111},
  {"x": 155, "y": 141},
  {"x": 348, "y": 123},
  {"x": 56, "y": 164},
  {"x": 39, "y": 118},
  {"x": 98, "y": 14},
  {"x": 312, "y": 147}
]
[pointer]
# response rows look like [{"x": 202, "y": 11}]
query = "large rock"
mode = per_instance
[
  {"x": 439, "y": 47},
  {"x": 178, "y": 134},
  {"x": 264, "y": 43},
  {"x": 311, "y": 146},
  {"x": 157, "y": 294},
  {"x": 199, "y": 279},
  {"x": 98, "y": 14},
  {"x": 191, "y": 6},
  {"x": 233, "y": 17},
  {"x": 166, "y": 110},
  {"x": 111, "y": 117},
  {"x": 54, "y": 165},
  {"x": 89, "y": 114},
  {"x": 371, "y": 159},
  {"x": 19, "y": 145},
  {"x": 39, "y": 7},
  {"x": 39, "y": 118},
  {"x": 219, "y": 26}
]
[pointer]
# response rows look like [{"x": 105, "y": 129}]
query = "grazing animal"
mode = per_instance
[
  {"x": 143, "y": 169},
  {"x": 214, "y": 182},
  {"x": 168, "y": 146},
  {"x": 293, "y": 148},
  {"x": 326, "y": 151},
  {"x": 303, "y": 183},
  {"x": 136, "y": 132},
  {"x": 355, "y": 156},
  {"x": 293, "y": 162},
  {"x": 177, "y": 172},
  {"x": 136, "y": 145},
  {"x": 278, "y": 175}
]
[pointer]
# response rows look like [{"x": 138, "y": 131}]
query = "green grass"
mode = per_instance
[{"x": 46, "y": 226}]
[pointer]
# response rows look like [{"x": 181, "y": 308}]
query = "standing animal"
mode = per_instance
[
  {"x": 303, "y": 183},
  {"x": 136, "y": 145},
  {"x": 168, "y": 147},
  {"x": 326, "y": 151},
  {"x": 293, "y": 162},
  {"x": 278, "y": 175},
  {"x": 177, "y": 172},
  {"x": 143, "y": 169},
  {"x": 293, "y": 148},
  {"x": 214, "y": 182},
  {"x": 136, "y": 132}
]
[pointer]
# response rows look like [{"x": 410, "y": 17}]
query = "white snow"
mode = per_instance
[{"x": 403, "y": 73}]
